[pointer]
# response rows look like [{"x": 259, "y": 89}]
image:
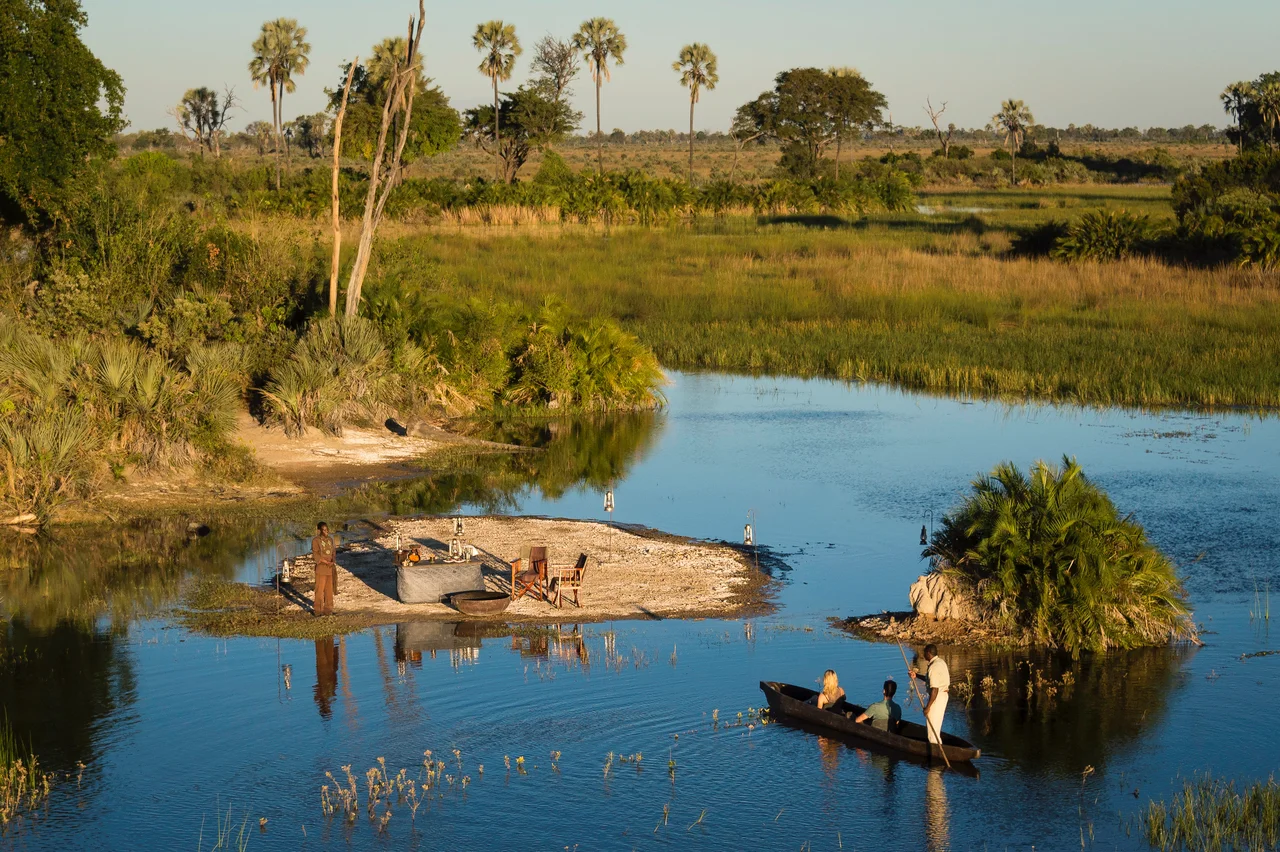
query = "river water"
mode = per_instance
[{"x": 180, "y": 734}]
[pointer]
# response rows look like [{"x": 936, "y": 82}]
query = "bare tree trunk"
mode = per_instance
[
  {"x": 275, "y": 121},
  {"x": 337, "y": 221},
  {"x": 691, "y": 102},
  {"x": 599, "y": 136},
  {"x": 401, "y": 91},
  {"x": 838, "y": 139},
  {"x": 733, "y": 170},
  {"x": 497, "y": 137}
]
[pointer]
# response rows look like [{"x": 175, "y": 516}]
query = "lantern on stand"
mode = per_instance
[{"x": 608, "y": 507}]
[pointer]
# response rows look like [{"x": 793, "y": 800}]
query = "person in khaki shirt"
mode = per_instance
[
  {"x": 324, "y": 551},
  {"x": 937, "y": 678}
]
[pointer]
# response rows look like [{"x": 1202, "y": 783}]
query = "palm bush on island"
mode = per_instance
[{"x": 1047, "y": 556}]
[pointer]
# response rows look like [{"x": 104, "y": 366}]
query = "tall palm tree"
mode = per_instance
[
  {"x": 1235, "y": 98},
  {"x": 697, "y": 67},
  {"x": 1013, "y": 119},
  {"x": 499, "y": 47},
  {"x": 1268, "y": 100},
  {"x": 279, "y": 52},
  {"x": 600, "y": 40}
]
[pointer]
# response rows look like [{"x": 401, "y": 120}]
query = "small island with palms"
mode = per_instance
[{"x": 1040, "y": 559}]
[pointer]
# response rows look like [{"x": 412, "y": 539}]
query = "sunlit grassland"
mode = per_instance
[{"x": 929, "y": 302}]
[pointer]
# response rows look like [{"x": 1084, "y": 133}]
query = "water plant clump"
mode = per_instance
[
  {"x": 1209, "y": 814},
  {"x": 24, "y": 784},
  {"x": 1049, "y": 555}
]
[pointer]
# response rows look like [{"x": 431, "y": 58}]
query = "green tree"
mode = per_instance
[
  {"x": 533, "y": 119},
  {"x": 279, "y": 52},
  {"x": 202, "y": 117},
  {"x": 804, "y": 111},
  {"x": 499, "y": 47},
  {"x": 599, "y": 40},
  {"x": 1267, "y": 97},
  {"x": 1049, "y": 555},
  {"x": 851, "y": 103},
  {"x": 1013, "y": 120},
  {"x": 433, "y": 127},
  {"x": 59, "y": 108},
  {"x": 260, "y": 132},
  {"x": 698, "y": 71},
  {"x": 1235, "y": 100}
]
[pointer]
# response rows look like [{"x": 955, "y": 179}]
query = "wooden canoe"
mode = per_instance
[{"x": 786, "y": 700}]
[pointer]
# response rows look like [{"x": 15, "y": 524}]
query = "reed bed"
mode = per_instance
[
  {"x": 24, "y": 784},
  {"x": 926, "y": 305},
  {"x": 1209, "y": 815}
]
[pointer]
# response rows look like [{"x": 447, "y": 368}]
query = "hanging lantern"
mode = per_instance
[
  {"x": 458, "y": 527},
  {"x": 924, "y": 535},
  {"x": 608, "y": 500},
  {"x": 286, "y": 572},
  {"x": 748, "y": 536}
]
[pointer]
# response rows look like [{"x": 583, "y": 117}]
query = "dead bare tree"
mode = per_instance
[
  {"x": 337, "y": 220},
  {"x": 385, "y": 169},
  {"x": 943, "y": 139}
]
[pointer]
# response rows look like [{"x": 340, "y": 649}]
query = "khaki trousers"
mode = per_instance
[
  {"x": 935, "y": 718},
  {"x": 323, "y": 604}
]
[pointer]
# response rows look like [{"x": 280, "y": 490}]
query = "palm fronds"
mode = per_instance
[{"x": 1048, "y": 554}]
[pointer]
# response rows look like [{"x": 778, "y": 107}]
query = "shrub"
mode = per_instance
[
  {"x": 1039, "y": 240},
  {"x": 1050, "y": 556},
  {"x": 1102, "y": 235}
]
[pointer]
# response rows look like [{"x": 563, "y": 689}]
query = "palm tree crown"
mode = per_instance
[
  {"x": 1014, "y": 118},
  {"x": 697, "y": 67},
  {"x": 280, "y": 51},
  {"x": 600, "y": 40},
  {"x": 497, "y": 40}
]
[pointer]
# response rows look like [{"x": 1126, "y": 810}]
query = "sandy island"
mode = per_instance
[{"x": 631, "y": 573}]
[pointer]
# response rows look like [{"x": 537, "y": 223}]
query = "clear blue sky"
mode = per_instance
[{"x": 1107, "y": 62}]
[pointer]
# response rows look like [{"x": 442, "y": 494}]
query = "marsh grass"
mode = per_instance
[
  {"x": 1209, "y": 814},
  {"x": 926, "y": 303},
  {"x": 24, "y": 784},
  {"x": 226, "y": 835}
]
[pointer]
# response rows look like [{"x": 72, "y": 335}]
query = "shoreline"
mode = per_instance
[
  {"x": 633, "y": 573},
  {"x": 908, "y": 627}
]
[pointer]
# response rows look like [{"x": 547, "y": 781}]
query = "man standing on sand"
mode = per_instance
[
  {"x": 937, "y": 678},
  {"x": 323, "y": 552}
]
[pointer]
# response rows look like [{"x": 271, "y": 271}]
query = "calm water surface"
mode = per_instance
[{"x": 177, "y": 729}]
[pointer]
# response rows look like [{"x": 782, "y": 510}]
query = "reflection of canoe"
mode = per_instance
[{"x": 786, "y": 700}]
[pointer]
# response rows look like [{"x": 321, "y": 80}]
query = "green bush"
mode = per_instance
[
  {"x": 1102, "y": 235},
  {"x": 1048, "y": 555}
]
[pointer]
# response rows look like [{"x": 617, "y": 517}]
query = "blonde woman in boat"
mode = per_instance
[{"x": 831, "y": 691}]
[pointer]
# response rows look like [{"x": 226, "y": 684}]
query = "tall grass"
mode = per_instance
[
  {"x": 1211, "y": 815},
  {"x": 922, "y": 303},
  {"x": 24, "y": 785}
]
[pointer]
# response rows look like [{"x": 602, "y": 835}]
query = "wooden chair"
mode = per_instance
[
  {"x": 530, "y": 576},
  {"x": 568, "y": 578}
]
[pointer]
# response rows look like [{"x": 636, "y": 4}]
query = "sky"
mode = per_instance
[{"x": 1111, "y": 63}]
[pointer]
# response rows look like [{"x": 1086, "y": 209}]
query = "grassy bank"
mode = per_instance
[{"x": 928, "y": 302}]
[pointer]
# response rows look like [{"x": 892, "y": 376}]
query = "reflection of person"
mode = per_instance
[
  {"x": 323, "y": 551},
  {"x": 326, "y": 675},
  {"x": 831, "y": 691},
  {"x": 937, "y": 678},
  {"x": 886, "y": 713},
  {"x": 937, "y": 835}
]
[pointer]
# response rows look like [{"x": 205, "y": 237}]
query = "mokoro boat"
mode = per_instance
[{"x": 911, "y": 738}]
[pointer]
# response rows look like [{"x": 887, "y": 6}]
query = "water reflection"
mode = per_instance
[
  {"x": 1046, "y": 710},
  {"x": 937, "y": 817},
  {"x": 58, "y": 685},
  {"x": 326, "y": 675}
]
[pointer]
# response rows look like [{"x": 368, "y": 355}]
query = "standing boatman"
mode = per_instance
[
  {"x": 937, "y": 678},
  {"x": 323, "y": 551}
]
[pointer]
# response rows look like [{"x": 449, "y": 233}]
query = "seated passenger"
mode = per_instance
[
  {"x": 885, "y": 714},
  {"x": 831, "y": 692}
]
